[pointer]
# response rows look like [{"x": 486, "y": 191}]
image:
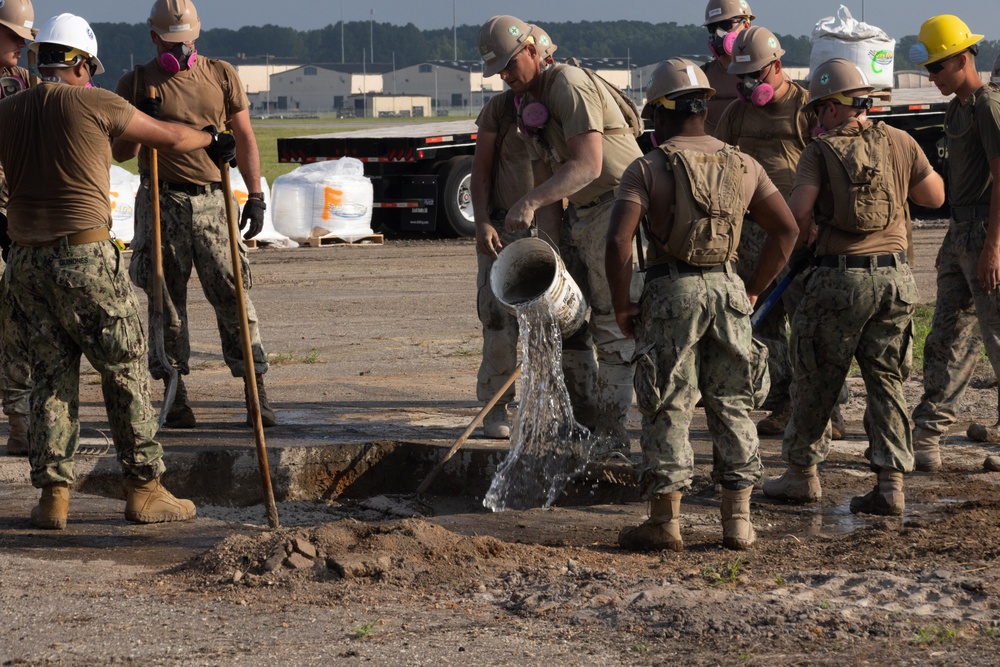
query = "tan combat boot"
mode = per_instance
[
  {"x": 150, "y": 502},
  {"x": 268, "y": 418},
  {"x": 180, "y": 414},
  {"x": 17, "y": 441},
  {"x": 53, "y": 507},
  {"x": 838, "y": 427},
  {"x": 886, "y": 499},
  {"x": 495, "y": 423},
  {"x": 737, "y": 531},
  {"x": 927, "y": 450},
  {"x": 798, "y": 484},
  {"x": 662, "y": 531},
  {"x": 775, "y": 423}
]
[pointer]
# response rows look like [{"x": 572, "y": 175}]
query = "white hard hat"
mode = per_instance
[{"x": 71, "y": 31}]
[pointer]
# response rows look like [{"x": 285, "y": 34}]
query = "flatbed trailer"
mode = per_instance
[{"x": 421, "y": 173}]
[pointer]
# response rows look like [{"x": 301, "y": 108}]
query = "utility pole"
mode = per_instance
[
  {"x": 454, "y": 26},
  {"x": 364, "y": 82},
  {"x": 371, "y": 35},
  {"x": 393, "y": 72},
  {"x": 267, "y": 73},
  {"x": 341, "y": 32}
]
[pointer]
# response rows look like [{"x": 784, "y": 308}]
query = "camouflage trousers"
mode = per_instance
[
  {"x": 195, "y": 235},
  {"x": 864, "y": 314},
  {"x": 15, "y": 371},
  {"x": 952, "y": 347},
  {"x": 589, "y": 233},
  {"x": 70, "y": 301},
  {"x": 693, "y": 337},
  {"x": 501, "y": 332}
]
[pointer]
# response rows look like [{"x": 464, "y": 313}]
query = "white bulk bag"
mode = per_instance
[
  {"x": 268, "y": 233},
  {"x": 842, "y": 36},
  {"x": 330, "y": 198},
  {"x": 124, "y": 186}
]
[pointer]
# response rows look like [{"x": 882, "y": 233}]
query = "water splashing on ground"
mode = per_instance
[{"x": 548, "y": 447}]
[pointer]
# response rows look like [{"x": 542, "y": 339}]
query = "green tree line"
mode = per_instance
[{"x": 122, "y": 45}]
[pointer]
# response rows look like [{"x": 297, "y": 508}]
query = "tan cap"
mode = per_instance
[
  {"x": 175, "y": 20},
  {"x": 723, "y": 10},
  {"x": 671, "y": 79},
  {"x": 500, "y": 39},
  {"x": 754, "y": 49},
  {"x": 542, "y": 41},
  {"x": 19, "y": 16},
  {"x": 837, "y": 75}
]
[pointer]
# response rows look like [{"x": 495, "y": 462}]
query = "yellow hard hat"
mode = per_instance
[{"x": 941, "y": 37}]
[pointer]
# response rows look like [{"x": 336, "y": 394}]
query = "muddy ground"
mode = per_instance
[{"x": 383, "y": 343}]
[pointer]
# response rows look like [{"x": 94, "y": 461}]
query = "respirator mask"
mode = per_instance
[
  {"x": 722, "y": 35},
  {"x": 752, "y": 90},
  {"x": 179, "y": 57}
]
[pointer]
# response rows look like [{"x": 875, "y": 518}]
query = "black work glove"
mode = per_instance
[
  {"x": 149, "y": 106},
  {"x": 5, "y": 242},
  {"x": 253, "y": 217},
  {"x": 223, "y": 146}
]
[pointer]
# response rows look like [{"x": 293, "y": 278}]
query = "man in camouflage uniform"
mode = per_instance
[
  {"x": 859, "y": 298},
  {"x": 67, "y": 290},
  {"x": 196, "y": 91},
  {"x": 692, "y": 326},
  {"x": 501, "y": 174},
  {"x": 968, "y": 262},
  {"x": 724, "y": 19},
  {"x": 579, "y": 142},
  {"x": 16, "y": 20},
  {"x": 772, "y": 123}
]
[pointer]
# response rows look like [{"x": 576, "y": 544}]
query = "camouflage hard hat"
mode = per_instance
[
  {"x": 500, "y": 39},
  {"x": 542, "y": 41},
  {"x": 754, "y": 49},
  {"x": 671, "y": 79},
  {"x": 837, "y": 75},
  {"x": 723, "y": 10},
  {"x": 19, "y": 16}
]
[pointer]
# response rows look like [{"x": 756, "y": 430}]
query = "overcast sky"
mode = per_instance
[{"x": 796, "y": 17}]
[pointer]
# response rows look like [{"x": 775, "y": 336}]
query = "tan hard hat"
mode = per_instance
[
  {"x": 500, "y": 39},
  {"x": 837, "y": 75},
  {"x": 723, "y": 10},
  {"x": 19, "y": 16},
  {"x": 175, "y": 20},
  {"x": 671, "y": 79},
  {"x": 754, "y": 49},
  {"x": 542, "y": 41}
]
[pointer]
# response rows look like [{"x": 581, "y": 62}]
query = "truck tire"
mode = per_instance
[{"x": 455, "y": 198}]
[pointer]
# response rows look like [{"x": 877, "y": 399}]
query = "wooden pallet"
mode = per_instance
[{"x": 321, "y": 241}]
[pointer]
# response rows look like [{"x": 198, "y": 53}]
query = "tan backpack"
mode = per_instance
[
  {"x": 633, "y": 121},
  {"x": 708, "y": 204},
  {"x": 860, "y": 172}
]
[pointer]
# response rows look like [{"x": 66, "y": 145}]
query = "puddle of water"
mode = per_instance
[
  {"x": 548, "y": 447},
  {"x": 838, "y": 520}
]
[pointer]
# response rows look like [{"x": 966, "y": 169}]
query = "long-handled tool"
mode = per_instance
[
  {"x": 468, "y": 431},
  {"x": 764, "y": 308},
  {"x": 249, "y": 376},
  {"x": 159, "y": 287}
]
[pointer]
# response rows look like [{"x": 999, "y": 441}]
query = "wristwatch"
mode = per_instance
[{"x": 256, "y": 195}]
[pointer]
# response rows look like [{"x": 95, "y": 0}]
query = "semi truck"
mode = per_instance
[{"x": 421, "y": 172}]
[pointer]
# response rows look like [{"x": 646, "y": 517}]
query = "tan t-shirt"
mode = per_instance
[
  {"x": 970, "y": 148},
  {"x": 647, "y": 183},
  {"x": 512, "y": 177},
  {"x": 576, "y": 106},
  {"x": 54, "y": 145},
  {"x": 23, "y": 75},
  {"x": 909, "y": 167},
  {"x": 724, "y": 84},
  {"x": 207, "y": 94},
  {"x": 774, "y": 134}
]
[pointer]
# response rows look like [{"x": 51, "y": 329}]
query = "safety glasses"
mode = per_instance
[
  {"x": 936, "y": 68},
  {"x": 725, "y": 26},
  {"x": 759, "y": 74}
]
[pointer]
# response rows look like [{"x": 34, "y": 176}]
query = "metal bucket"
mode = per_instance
[{"x": 530, "y": 270}]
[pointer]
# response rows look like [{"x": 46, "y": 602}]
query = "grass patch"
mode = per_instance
[
  {"x": 935, "y": 634},
  {"x": 312, "y": 357},
  {"x": 365, "y": 629},
  {"x": 729, "y": 574},
  {"x": 279, "y": 358}
]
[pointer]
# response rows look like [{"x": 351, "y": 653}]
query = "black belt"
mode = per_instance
[
  {"x": 606, "y": 197},
  {"x": 192, "y": 189},
  {"x": 661, "y": 270},
  {"x": 861, "y": 261},
  {"x": 498, "y": 214},
  {"x": 969, "y": 213}
]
